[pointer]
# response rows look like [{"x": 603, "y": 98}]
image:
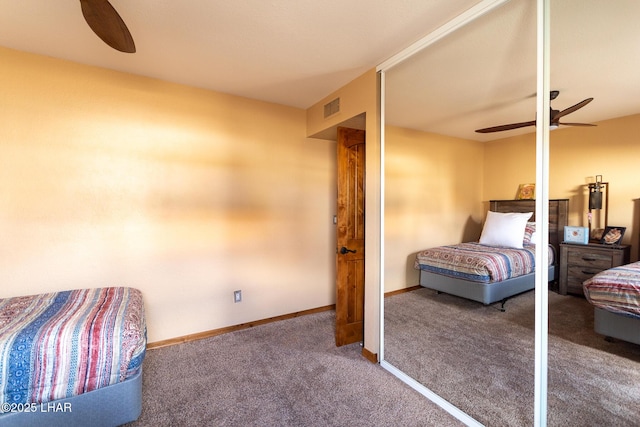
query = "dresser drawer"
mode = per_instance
[
  {"x": 573, "y": 285},
  {"x": 580, "y": 274},
  {"x": 577, "y": 274},
  {"x": 595, "y": 261}
]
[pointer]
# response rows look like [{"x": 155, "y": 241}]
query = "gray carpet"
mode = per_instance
[
  {"x": 482, "y": 360},
  {"x": 287, "y": 373}
]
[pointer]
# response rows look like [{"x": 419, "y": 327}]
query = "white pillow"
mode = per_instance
[{"x": 504, "y": 229}]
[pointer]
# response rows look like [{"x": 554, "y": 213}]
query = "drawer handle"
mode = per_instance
[
  {"x": 589, "y": 259},
  {"x": 589, "y": 272}
]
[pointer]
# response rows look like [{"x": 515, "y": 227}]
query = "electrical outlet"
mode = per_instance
[{"x": 237, "y": 296}]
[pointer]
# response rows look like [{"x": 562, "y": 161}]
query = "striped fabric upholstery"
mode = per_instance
[
  {"x": 616, "y": 290},
  {"x": 62, "y": 344},
  {"x": 478, "y": 263}
]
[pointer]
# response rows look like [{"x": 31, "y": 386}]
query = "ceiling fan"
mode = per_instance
[
  {"x": 107, "y": 24},
  {"x": 554, "y": 117}
]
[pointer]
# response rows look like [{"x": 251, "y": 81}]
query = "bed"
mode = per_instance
[
  {"x": 72, "y": 357},
  {"x": 615, "y": 295},
  {"x": 489, "y": 273}
]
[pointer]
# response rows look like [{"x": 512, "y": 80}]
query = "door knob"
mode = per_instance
[{"x": 344, "y": 250}]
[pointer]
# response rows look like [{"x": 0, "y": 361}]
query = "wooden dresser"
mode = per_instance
[{"x": 580, "y": 262}]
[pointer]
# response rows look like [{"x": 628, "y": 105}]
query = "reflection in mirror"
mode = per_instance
[
  {"x": 440, "y": 175},
  {"x": 473, "y": 355},
  {"x": 593, "y": 379}
]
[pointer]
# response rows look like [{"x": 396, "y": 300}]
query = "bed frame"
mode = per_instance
[
  {"x": 614, "y": 325},
  {"x": 486, "y": 293},
  {"x": 109, "y": 406},
  {"x": 489, "y": 293}
]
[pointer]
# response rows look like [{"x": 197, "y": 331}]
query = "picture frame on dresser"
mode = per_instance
[
  {"x": 612, "y": 235},
  {"x": 576, "y": 235}
]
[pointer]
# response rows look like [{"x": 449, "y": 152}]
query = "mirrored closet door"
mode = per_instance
[
  {"x": 593, "y": 379},
  {"x": 438, "y": 181},
  {"x": 474, "y": 356}
]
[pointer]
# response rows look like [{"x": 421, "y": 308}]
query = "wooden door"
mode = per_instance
[{"x": 350, "y": 237}]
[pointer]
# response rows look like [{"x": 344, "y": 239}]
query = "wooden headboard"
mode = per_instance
[{"x": 558, "y": 215}]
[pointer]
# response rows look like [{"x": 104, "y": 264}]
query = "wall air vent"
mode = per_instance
[{"x": 331, "y": 108}]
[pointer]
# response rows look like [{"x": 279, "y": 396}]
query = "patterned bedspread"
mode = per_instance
[
  {"x": 63, "y": 344},
  {"x": 478, "y": 263},
  {"x": 616, "y": 290}
]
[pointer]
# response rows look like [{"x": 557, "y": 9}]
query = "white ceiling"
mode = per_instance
[
  {"x": 485, "y": 74},
  {"x": 295, "y": 52},
  {"x": 291, "y": 52}
]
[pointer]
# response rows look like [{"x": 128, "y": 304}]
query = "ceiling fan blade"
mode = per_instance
[
  {"x": 571, "y": 109},
  {"x": 507, "y": 127},
  {"x": 554, "y": 117},
  {"x": 107, "y": 24},
  {"x": 576, "y": 124}
]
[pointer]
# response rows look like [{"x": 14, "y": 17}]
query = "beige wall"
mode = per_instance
[
  {"x": 438, "y": 188},
  {"x": 576, "y": 155},
  {"x": 112, "y": 179},
  {"x": 356, "y": 98},
  {"x": 433, "y": 194}
]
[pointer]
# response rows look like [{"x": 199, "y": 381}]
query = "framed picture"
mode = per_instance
[
  {"x": 612, "y": 235},
  {"x": 576, "y": 235},
  {"x": 526, "y": 192}
]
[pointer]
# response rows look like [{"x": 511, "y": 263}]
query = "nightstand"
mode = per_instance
[{"x": 580, "y": 262}]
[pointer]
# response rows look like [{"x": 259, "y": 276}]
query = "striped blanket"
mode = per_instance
[
  {"x": 63, "y": 344},
  {"x": 478, "y": 263},
  {"x": 616, "y": 290}
]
